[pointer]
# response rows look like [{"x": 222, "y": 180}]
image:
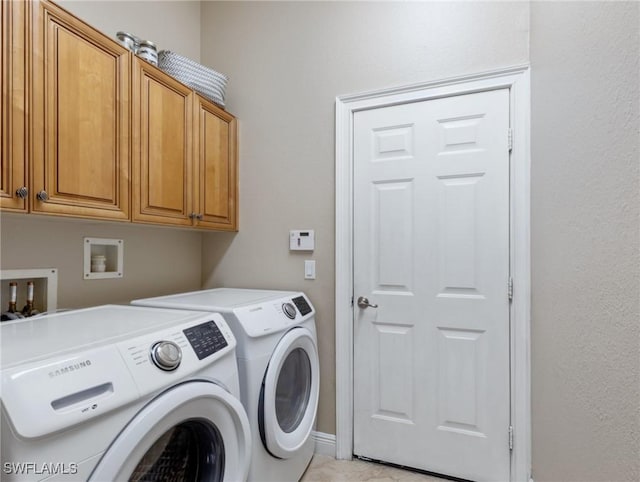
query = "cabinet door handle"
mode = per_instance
[
  {"x": 192, "y": 215},
  {"x": 42, "y": 196},
  {"x": 199, "y": 217},
  {"x": 22, "y": 192}
]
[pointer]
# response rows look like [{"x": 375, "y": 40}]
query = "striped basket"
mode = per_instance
[{"x": 205, "y": 81}]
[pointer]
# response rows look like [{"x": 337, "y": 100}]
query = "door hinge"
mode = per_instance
[
  {"x": 510, "y": 139},
  {"x": 510, "y": 289},
  {"x": 352, "y": 302},
  {"x": 510, "y": 437}
]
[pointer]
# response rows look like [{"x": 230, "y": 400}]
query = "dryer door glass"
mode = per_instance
[
  {"x": 293, "y": 390},
  {"x": 190, "y": 451}
]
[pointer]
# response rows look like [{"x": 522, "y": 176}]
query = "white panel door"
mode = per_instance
[{"x": 431, "y": 249}]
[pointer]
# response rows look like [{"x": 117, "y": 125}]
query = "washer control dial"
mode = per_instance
[
  {"x": 166, "y": 355},
  {"x": 289, "y": 310}
]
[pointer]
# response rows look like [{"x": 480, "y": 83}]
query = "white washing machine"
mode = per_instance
[
  {"x": 279, "y": 371},
  {"x": 122, "y": 393}
]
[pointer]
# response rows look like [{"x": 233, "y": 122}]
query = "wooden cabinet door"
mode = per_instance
[
  {"x": 163, "y": 158},
  {"x": 80, "y": 121},
  {"x": 215, "y": 167},
  {"x": 13, "y": 164}
]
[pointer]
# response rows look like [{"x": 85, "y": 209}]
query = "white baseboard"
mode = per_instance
[{"x": 325, "y": 443}]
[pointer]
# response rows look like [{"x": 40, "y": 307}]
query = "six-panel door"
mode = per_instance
[
  {"x": 431, "y": 250},
  {"x": 80, "y": 118}
]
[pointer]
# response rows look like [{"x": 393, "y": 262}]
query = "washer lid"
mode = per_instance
[
  {"x": 219, "y": 299},
  {"x": 257, "y": 312},
  {"x": 46, "y": 336}
]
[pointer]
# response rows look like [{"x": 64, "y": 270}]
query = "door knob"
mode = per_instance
[
  {"x": 364, "y": 303},
  {"x": 42, "y": 196}
]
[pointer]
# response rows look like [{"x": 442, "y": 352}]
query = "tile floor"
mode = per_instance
[{"x": 327, "y": 469}]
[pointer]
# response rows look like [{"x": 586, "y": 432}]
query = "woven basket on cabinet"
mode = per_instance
[{"x": 205, "y": 81}]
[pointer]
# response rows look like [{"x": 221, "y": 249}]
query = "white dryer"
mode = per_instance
[
  {"x": 279, "y": 371},
  {"x": 122, "y": 393}
]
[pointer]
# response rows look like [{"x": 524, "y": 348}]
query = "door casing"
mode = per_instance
[{"x": 517, "y": 80}]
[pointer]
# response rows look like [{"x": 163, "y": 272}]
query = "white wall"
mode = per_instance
[
  {"x": 287, "y": 61},
  {"x": 156, "y": 260},
  {"x": 585, "y": 241},
  {"x": 171, "y": 25}
]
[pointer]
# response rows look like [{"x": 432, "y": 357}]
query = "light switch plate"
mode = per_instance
[{"x": 309, "y": 269}]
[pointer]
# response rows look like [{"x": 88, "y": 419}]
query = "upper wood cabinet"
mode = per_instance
[
  {"x": 13, "y": 164},
  {"x": 215, "y": 167},
  {"x": 90, "y": 130},
  {"x": 162, "y": 146},
  {"x": 184, "y": 162},
  {"x": 80, "y": 118}
]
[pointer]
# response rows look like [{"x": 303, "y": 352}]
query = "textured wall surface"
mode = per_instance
[
  {"x": 171, "y": 25},
  {"x": 287, "y": 61},
  {"x": 156, "y": 260},
  {"x": 585, "y": 241}
]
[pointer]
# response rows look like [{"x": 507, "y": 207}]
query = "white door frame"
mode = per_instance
[{"x": 516, "y": 79}]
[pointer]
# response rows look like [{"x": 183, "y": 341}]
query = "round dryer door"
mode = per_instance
[
  {"x": 289, "y": 397},
  {"x": 193, "y": 432}
]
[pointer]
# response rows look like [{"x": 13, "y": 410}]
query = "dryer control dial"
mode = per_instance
[
  {"x": 166, "y": 355},
  {"x": 289, "y": 310}
]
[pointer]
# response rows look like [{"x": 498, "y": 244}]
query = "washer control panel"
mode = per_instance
[
  {"x": 269, "y": 316},
  {"x": 205, "y": 339},
  {"x": 177, "y": 350},
  {"x": 302, "y": 305}
]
